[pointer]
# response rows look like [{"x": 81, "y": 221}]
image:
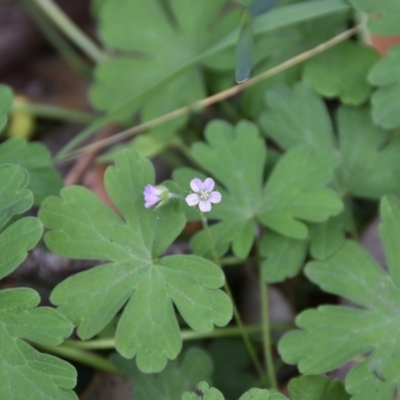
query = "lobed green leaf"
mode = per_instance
[
  {"x": 332, "y": 335},
  {"x": 44, "y": 179},
  {"x": 135, "y": 277}
]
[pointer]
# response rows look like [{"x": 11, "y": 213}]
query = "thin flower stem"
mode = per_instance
[
  {"x": 238, "y": 319},
  {"x": 266, "y": 325},
  {"x": 52, "y": 112},
  {"x": 266, "y": 334},
  {"x": 225, "y": 94},
  {"x": 79, "y": 355},
  {"x": 64, "y": 23}
]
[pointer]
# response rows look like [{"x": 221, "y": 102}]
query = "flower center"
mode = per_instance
[{"x": 204, "y": 195}]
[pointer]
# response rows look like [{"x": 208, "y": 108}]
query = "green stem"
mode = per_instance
[
  {"x": 186, "y": 335},
  {"x": 266, "y": 327},
  {"x": 238, "y": 319},
  {"x": 67, "y": 51},
  {"x": 266, "y": 333},
  {"x": 81, "y": 356},
  {"x": 64, "y": 23},
  {"x": 53, "y": 112}
]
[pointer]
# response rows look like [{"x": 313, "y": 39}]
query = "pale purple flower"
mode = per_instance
[
  {"x": 203, "y": 194},
  {"x": 152, "y": 195}
]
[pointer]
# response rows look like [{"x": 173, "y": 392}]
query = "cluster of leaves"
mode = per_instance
[{"x": 286, "y": 204}]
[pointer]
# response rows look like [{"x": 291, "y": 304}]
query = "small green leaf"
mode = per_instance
[
  {"x": 386, "y": 100},
  {"x": 296, "y": 190},
  {"x": 314, "y": 387},
  {"x": 342, "y": 72},
  {"x": 6, "y": 100},
  {"x": 284, "y": 256},
  {"x": 15, "y": 241},
  {"x": 330, "y": 336},
  {"x": 328, "y": 237},
  {"x": 203, "y": 392},
  {"x": 244, "y": 49},
  {"x": 14, "y": 197},
  {"x": 179, "y": 376},
  {"x": 262, "y": 394},
  {"x": 29, "y": 373},
  {"x": 383, "y": 15},
  {"x": 136, "y": 279},
  {"x": 44, "y": 179}
]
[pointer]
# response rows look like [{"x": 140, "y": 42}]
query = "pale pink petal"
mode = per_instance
[
  {"x": 151, "y": 196},
  {"x": 205, "y": 206},
  {"x": 209, "y": 185},
  {"x": 192, "y": 199},
  {"x": 196, "y": 184},
  {"x": 215, "y": 197}
]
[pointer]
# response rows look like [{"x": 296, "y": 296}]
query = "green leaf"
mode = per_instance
[
  {"x": 244, "y": 49},
  {"x": 14, "y": 197},
  {"x": 342, "y": 72},
  {"x": 235, "y": 156},
  {"x": 314, "y": 387},
  {"x": 297, "y": 117},
  {"x": 29, "y": 373},
  {"x": 296, "y": 190},
  {"x": 21, "y": 236},
  {"x": 179, "y": 376},
  {"x": 262, "y": 394},
  {"x": 368, "y": 166},
  {"x": 164, "y": 43},
  {"x": 284, "y": 256},
  {"x": 136, "y": 278},
  {"x": 203, "y": 392},
  {"x": 44, "y": 179},
  {"x": 6, "y": 100},
  {"x": 330, "y": 336},
  {"x": 327, "y": 238},
  {"x": 386, "y": 99},
  {"x": 383, "y": 15}
]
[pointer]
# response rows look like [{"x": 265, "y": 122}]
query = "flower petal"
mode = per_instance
[
  {"x": 196, "y": 184},
  {"x": 151, "y": 190},
  {"x": 205, "y": 206},
  {"x": 209, "y": 185},
  {"x": 192, "y": 199},
  {"x": 215, "y": 197}
]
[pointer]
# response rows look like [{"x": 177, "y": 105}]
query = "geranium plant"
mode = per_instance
[{"x": 271, "y": 182}]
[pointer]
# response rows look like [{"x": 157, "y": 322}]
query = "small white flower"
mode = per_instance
[{"x": 203, "y": 194}]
